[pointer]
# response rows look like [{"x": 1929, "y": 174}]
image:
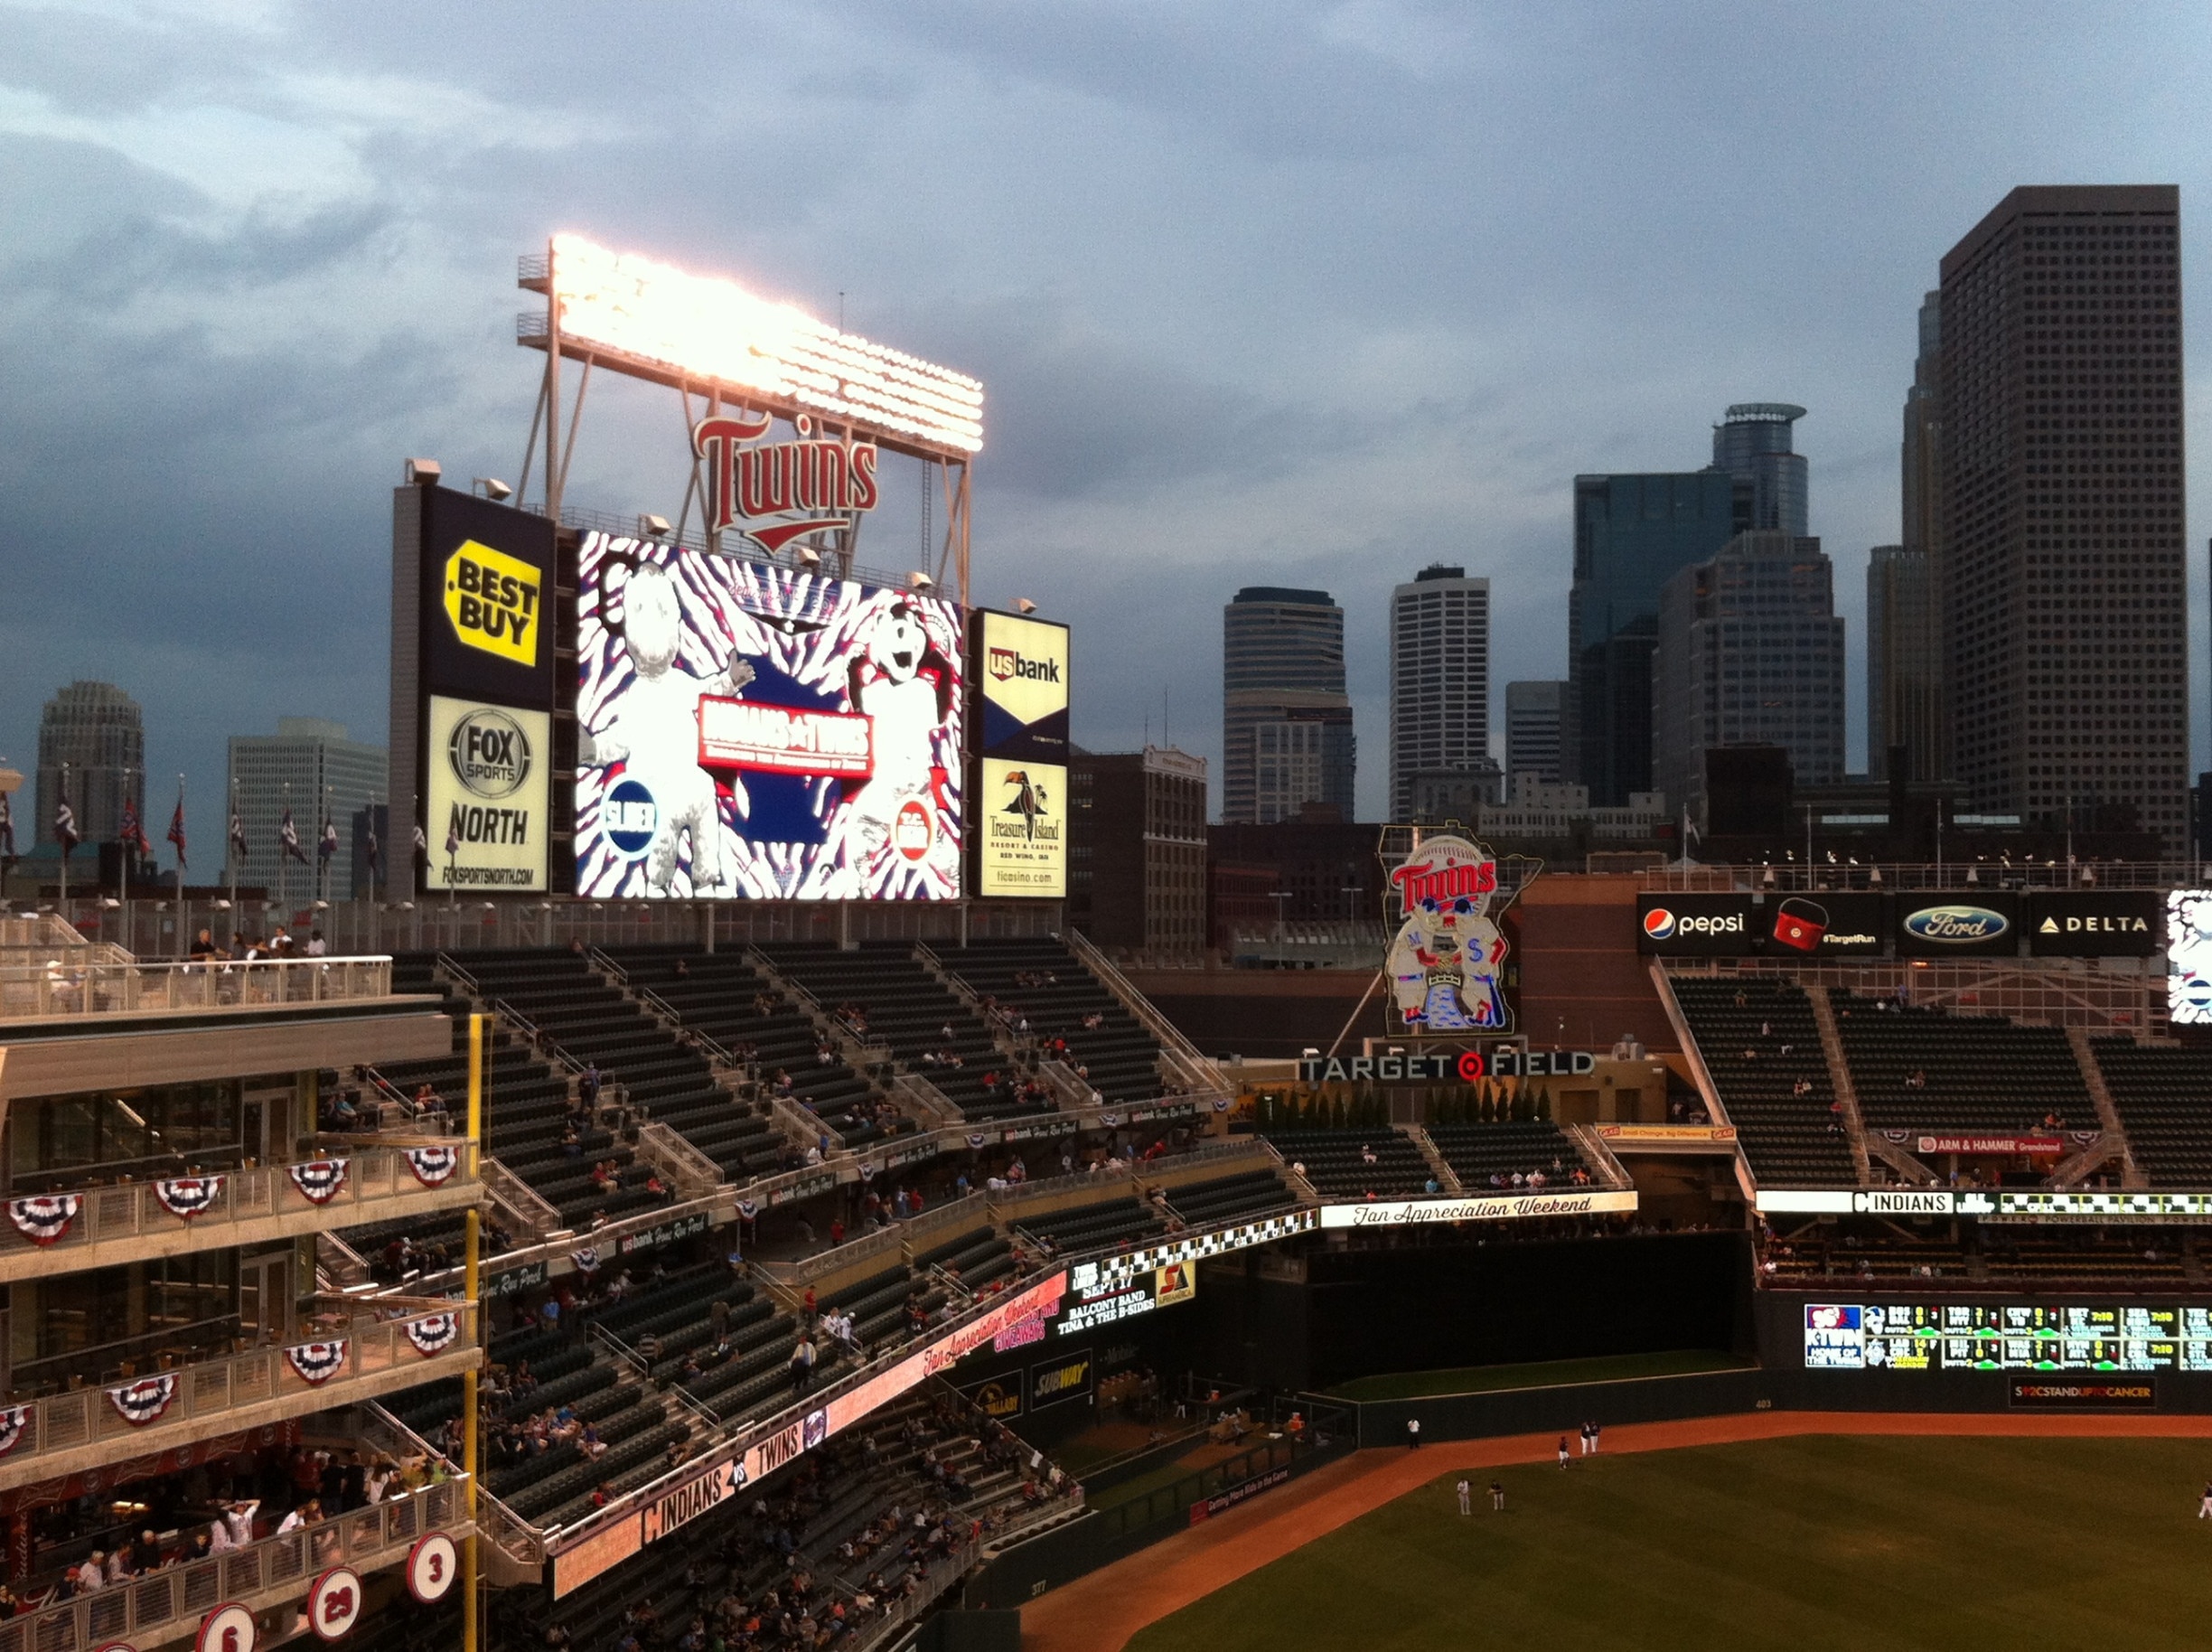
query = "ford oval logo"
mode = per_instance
[{"x": 1956, "y": 926}]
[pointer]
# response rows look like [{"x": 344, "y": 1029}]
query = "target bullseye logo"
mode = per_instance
[{"x": 335, "y": 1602}]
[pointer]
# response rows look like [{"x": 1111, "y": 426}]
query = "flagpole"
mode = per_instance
[
  {"x": 231, "y": 855},
  {"x": 62, "y": 904},
  {"x": 184, "y": 917},
  {"x": 284, "y": 871},
  {"x": 122, "y": 889}
]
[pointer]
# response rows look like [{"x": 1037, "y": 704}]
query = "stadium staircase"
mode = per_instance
[
  {"x": 1611, "y": 1174},
  {"x": 1180, "y": 1060},
  {"x": 1737, "y": 1029},
  {"x": 1447, "y": 1179},
  {"x": 1839, "y": 1075},
  {"x": 2132, "y": 1174},
  {"x": 1044, "y": 983}
]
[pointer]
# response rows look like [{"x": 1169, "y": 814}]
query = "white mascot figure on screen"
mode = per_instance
[
  {"x": 904, "y": 685},
  {"x": 1446, "y": 964},
  {"x": 2189, "y": 956},
  {"x": 655, "y": 734}
]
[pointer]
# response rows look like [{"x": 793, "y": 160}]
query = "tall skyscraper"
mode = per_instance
[
  {"x": 1753, "y": 446},
  {"x": 1286, "y": 718},
  {"x": 1439, "y": 662},
  {"x": 309, "y": 766},
  {"x": 98, "y": 730},
  {"x": 1750, "y": 652},
  {"x": 1632, "y": 533},
  {"x": 1904, "y": 663},
  {"x": 1921, "y": 450},
  {"x": 2065, "y": 613},
  {"x": 1533, "y": 723}
]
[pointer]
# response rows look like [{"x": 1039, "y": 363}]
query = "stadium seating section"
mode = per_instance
[
  {"x": 1240, "y": 1197},
  {"x": 1921, "y": 1069},
  {"x": 2164, "y": 1100},
  {"x": 1086, "y": 1227},
  {"x": 1336, "y": 1161},
  {"x": 1477, "y": 1152},
  {"x": 1760, "y": 1044},
  {"x": 1043, "y": 982}
]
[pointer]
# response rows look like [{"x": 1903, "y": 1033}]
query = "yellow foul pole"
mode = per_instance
[{"x": 468, "y": 1377}]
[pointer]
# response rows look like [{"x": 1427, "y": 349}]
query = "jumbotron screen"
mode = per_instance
[
  {"x": 1975, "y": 1337},
  {"x": 753, "y": 732}
]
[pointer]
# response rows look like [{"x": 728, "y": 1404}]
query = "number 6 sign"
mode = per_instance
[
  {"x": 433, "y": 1565},
  {"x": 226, "y": 1629},
  {"x": 335, "y": 1602}
]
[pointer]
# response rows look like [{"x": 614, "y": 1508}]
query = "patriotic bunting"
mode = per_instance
[
  {"x": 319, "y": 1180},
  {"x": 317, "y": 1362},
  {"x": 186, "y": 1196},
  {"x": 433, "y": 1334},
  {"x": 144, "y": 1401},
  {"x": 44, "y": 1219},
  {"x": 433, "y": 1166},
  {"x": 13, "y": 1421}
]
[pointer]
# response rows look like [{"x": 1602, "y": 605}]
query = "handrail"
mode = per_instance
[
  {"x": 533, "y": 1213},
  {"x": 51, "y": 990},
  {"x": 464, "y": 979},
  {"x": 96, "y": 1416},
  {"x": 1170, "y": 1037},
  {"x": 125, "y": 1210},
  {"x": 366, "y": 1539},
  {"x": 692, "y": 1171}
]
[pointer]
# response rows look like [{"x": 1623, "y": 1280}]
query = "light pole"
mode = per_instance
[{"x": 1279, "y": 897}]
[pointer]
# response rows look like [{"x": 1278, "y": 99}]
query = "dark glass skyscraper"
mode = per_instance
[
  {"x": 1632, "y": 533},
  {"x": 1753, "y": 446},
  {"x": 94, "y": 727},
  {"x": 1286, "y": 717}
]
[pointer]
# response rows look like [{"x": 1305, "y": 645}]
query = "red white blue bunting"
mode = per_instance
[
  {"x": 144, "y": 1401},
  {"x": 433, "y": 1166},
  {"x": 13, "y": 1421},
  {"x": 45, "y": 1218},
  {"x": 186, "y": 1196},
  {"x": 317, "y": 1362},
  {"x": 319, "y": 1180},
  {"x": 434, "y": 1333}
]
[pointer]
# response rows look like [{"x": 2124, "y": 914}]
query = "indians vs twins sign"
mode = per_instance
[{"x": 1447, "y": 963}]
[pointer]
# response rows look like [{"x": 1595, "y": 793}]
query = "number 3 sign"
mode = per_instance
[{"x": 433, "y": 1565}]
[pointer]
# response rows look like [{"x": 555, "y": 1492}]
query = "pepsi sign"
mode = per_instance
[{"x": 1696, "y": 925}]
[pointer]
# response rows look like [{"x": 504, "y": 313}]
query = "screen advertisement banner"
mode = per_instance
[
  {"x": 1021, "y": 674},
  {"x": 1695, "y": 925},
  {"x": 487, "y": 791},
  {"x": 1021, "y": 837},
  {"x": 1975, "y": 924},
  {"x": 486, "y": 623},
  {"x": 2095, "y": 923},
  {"x": 1061, "y": 1380},
  {"x": 753, "y": 732},
  {"x": 1826, "y": 923}
]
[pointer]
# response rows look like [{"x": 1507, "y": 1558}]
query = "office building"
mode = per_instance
[
  {"x": 1286, "y": 718},
  {"x": 1752, "y": 445},
  {"x": 1439, "y": 665},
  {"x": 1632, "y": 533},
  {"x": 1750, "y": 652},
  {"x": 1137, "y": 850},
  {"x": 2065, "y": 610},
  {"x": 310, "y": 766},
  {"x": 1533, "y": 714},
  {"x": 98, "y": 730},
  {"x": 1904, "y": 664}
]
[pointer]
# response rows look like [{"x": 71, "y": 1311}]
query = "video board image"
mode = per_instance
[{"x": 753, "y": 732}]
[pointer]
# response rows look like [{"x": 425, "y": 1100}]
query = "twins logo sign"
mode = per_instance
[{"x": 1447, "y": 965}]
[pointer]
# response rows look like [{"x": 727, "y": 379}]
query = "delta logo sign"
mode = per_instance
[{"x": 778, "y": 493}]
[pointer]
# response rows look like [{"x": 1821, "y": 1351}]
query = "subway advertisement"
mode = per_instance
[
  {"x": 486, "y": 796},
  {"x": 1020, "y": 668},
  {"x": 753, "y": 732}
]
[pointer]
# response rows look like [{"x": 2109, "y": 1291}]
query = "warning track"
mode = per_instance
[{"x": 1100, "y": 1612}]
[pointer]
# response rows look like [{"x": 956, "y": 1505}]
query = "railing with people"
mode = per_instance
[
  {"x": 163, "y": 1605},
  {"x": 344, "y": 1346},
  {"x": 54, "y": 989}
]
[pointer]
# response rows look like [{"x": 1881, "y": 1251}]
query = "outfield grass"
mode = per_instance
[
  {"x": 1818, "y": 1542},
  {"x": 1540, "y": 1373}
]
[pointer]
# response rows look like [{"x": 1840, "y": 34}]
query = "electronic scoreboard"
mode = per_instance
[{"x": 1975, "y": 1337}]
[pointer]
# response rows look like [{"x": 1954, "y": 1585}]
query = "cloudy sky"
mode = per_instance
[{"x": 1282, "y": 293}]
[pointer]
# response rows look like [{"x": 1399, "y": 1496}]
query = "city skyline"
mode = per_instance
[{"x": 291, "y": 208}]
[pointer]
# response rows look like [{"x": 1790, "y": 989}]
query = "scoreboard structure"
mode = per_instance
[{"x": 1919, "y": 1337}]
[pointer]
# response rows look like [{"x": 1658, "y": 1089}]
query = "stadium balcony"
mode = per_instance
[
  {"x": 2160, "y": 1096},
  {"x": 1761, "y": 1045},
  {"x": 1487, "y": 1157},
  {"x": 1354, "y": 1164},
  {"x": 153, "y": 1394},
  {"x": 1918, "y": 1069},
  {"x": 262, "y": 1576}
]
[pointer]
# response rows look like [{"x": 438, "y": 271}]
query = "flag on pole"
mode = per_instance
[
  {"x": 287, "y": 840},
  {"x": 131, "y": 830},
  {"x": 65, "y": 819},
  {"x": 176, "y": 826},
  {"x": 452, "y": 835},
  {"x": 238, "y": 836},
  {"x": 328, "y": 846},
  {"x": 8, "y": 856},
  {"x": 375, "y": 850},
  {"x": 422, "y": 845}
]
